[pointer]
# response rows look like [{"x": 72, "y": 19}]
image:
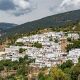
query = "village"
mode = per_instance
[{"x": 51, "y": 52}]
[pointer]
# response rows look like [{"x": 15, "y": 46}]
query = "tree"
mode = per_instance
[
  {"x": 75, "y": 72},
  {"x": 37, "y": 45},
  {"x": 56, "y": 40},
  {"x": 67, "y": 64},
  {"x": 51, "y": 39},
  {"x": 79, "y": 60},
  {"x": 57, "y": 74},
  {"x": 21, "y": 77},
  {"x": 8, "y": 64},
  {"x": 69, "y": 47},
  {"x": 10, "y": 78},
  {"x": 41, "y": 76},
  {"x": 26, "y": 57},
  {"x": 69, "y": 39},
  {"x": 15, "y": 65},
  {"x": 21, "y": 50},
  {"x": 1, "y": 78},
  {"x": 21, "y": 71},
  {"x": 1, "y": 67},
  {"x": 19, "y": 44},
  {"x": 75, "y": 44},
  {"x": 21, "y": 60}
]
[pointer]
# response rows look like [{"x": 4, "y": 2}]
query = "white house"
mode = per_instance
[
  {"x": 74, "y": 55},
  {"x": 73, "y": 36}
]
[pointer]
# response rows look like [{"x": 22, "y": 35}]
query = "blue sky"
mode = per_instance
[{"x": 21, "y": 11}]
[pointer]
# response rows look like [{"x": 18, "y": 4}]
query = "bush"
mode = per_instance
[
  {"x": 67, "y": 64},
  {"x": 37, "y": 45},
  {"x": 19, "y": 44},
  {"x": 21, "y": 50}
]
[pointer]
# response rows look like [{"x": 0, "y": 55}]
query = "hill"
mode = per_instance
[
  {"x": 5, "y": 26},
  {"x": 47, "y": 22}
]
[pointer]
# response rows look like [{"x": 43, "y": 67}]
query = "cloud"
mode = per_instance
[
  {"x": 68, "y": 5},
  {"x": 65, "y": 5},
  {"x": 6, "y": 5},
  {"x": 22, "y": 4},
  {"x": 17, "y": 7},
  {"x": 21, "y": 11},
  {"x": 38, "y": 9},
  {"x": 76, "y": 3}
]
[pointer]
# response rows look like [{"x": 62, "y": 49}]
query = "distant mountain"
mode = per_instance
[
  {"x": 50, "y": 21},
  {"x": 5, "y": 26}
]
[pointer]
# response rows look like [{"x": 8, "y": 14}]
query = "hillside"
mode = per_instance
[
  {"x": 5, "y": 26},
  {"x": 47, "y": 22}
]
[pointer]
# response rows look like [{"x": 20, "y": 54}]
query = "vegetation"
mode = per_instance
[
  {"x": 67, "y": 64},
  {"x": 21, "y": 50},
  {"x": 19, "y": 44},
  {"x": 19, "y": 70},
  {"x": 5, "y": 26},
  {"x": 22, "y": 30},
  {"x": 67, "y": 19},
  {"x": 37, "y": 45},
  {"x": 75, "y": 72},
  {"x": 74, "y": 44},
  {"x": 56, "y": 40},
  {"x": 50, "y": 39},
  {"x": 16, "y": 70},
  {"x": 69, "y": 39},
  {"x": 66, "y": 71},
  {"x": 54, "y": 74}
]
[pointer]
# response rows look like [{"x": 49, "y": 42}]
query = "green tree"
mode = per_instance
[
  {"x": 26, "y": 57},
  {"x": 75, "y": 44},
  {"x": 37, "y": 45},
  {"x": 41, "y": 76},
  {"x": 79, "y": 60},
  {"x": 21, "y": 50},
  {"x": 19, "y": 44},
  {"x": 21, "y": 77},
  {"x": 67, "y": 64},
  {"x": 58, "y": 74},
  {"x": 1, "y": 67},
  {"x": 51, "y": 39},
  {"x": 75, "y": 72},
  {"x": 56, "y": 40},
  {"x": 10, "y": 78},
  {"x": 21, "y": 60},
  {"x": 69, "y": 39}
]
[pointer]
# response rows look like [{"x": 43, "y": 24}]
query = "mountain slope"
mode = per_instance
[
  {"x": 5, "y": 26},
  {"x": 51, "y": 21}
]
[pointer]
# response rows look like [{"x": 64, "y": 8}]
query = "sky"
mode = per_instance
[{"x": 21, "y": 11}]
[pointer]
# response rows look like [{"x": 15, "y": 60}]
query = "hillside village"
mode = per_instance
[
  {"x": 47, "y": 49},
  {"x": 39, "y": 39}
]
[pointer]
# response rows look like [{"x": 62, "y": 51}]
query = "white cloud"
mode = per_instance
[
  {"x": 68, "y": 5},
  {"x": 70, "y": 2},
  {"x": 17, "y": 7},
  {"x": 22, "y": 4}
]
